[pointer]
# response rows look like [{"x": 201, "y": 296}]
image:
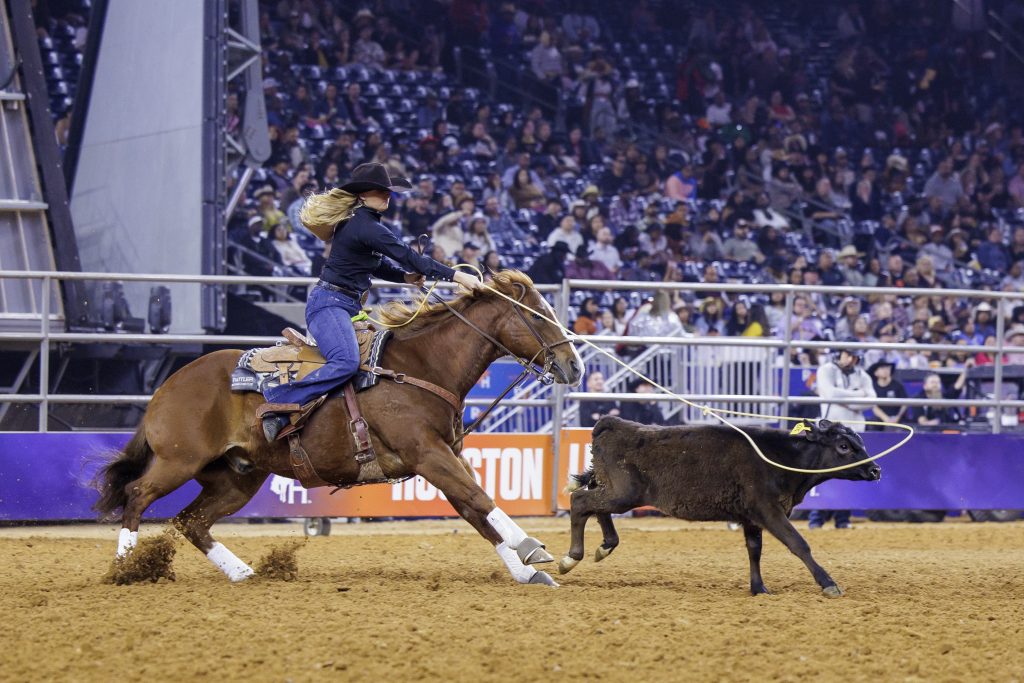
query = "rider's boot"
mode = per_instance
[{"x": 273, "y": 423}]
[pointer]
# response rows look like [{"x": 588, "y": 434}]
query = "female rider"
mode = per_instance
[{"x": 360, "y": 248}]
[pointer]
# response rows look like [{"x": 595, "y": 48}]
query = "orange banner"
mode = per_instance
[
  {"x": 574, "y": 457},
  {"x": 514, "y": 470}
]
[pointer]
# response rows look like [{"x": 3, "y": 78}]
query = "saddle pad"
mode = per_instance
[{"x": 262, "y": 368}]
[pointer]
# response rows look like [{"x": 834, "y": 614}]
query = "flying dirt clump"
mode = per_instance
[
  {"x": 151, "y": 561},
  {"x": 280, "y": 564}
]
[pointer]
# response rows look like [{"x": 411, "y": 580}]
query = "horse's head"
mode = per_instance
[{"x": 529, "y": 335}]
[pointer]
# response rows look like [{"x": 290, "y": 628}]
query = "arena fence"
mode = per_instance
[{"x": 710, "y": 370}]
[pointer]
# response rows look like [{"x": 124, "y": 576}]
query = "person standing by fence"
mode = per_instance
[{"x": 841, "y": 378}]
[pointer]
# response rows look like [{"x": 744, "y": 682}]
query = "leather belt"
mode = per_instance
[{"x": 338, "y": 288}]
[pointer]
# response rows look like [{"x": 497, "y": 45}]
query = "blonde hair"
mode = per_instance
[{"x": 322, "y": 212}]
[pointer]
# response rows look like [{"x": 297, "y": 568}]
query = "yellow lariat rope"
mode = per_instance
[{"x": 716, "y": 413}]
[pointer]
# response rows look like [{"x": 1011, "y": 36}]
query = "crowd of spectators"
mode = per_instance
[{"x": 862, "y": 144}]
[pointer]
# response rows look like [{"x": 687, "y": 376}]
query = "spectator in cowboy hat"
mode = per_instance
[
  {"x": 849, "y": 266},
  {"x": 266, "y": 198},
  {"x": 470, "y": 254},
  {"x": 984, "y": 323},
  {"x": 886, "y": 386},
  {"x": 549, "y": 268},
  {"x": 1015, "y": 337}
]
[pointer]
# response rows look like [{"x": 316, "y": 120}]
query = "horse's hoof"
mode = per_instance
[
  {"x": 241, "y": 574},
  {"x": 543, "y": 579},
  {"x": 531, "y": 551},
  {"x": 567, "y": 565},
  {"x": 832, "y": 591},
  {"x": 602, "y": 553}
]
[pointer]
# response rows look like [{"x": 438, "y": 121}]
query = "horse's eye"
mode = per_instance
[{"x": 536, "y": 316}]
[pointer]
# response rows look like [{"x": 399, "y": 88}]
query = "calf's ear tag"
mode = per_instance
[{"x": 800, "y": 428}]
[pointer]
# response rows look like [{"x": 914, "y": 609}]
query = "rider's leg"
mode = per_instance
[{"x": 328, "y": 318}]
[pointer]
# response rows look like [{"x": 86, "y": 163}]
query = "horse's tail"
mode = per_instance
[{"x": 127, "y": 466}]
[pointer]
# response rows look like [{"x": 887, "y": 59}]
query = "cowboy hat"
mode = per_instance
[
  {"x": 879, "y": 363},
  {"x": 897, "y": 161},
  {"x": 374, "y": 176},
  {"x": 849, "y": 250}
]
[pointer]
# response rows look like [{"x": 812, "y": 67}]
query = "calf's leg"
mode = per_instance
[
  {"x": 585, "y": 503},
  {"x": 779, "y": 526},
  {"x": 611, "y": 537},
  {"x": 580, "y": 510},
  {"x": 752, "y": 535}
]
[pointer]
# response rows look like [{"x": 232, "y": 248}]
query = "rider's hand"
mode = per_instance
[
  {"x": 469, "y": 282},
  {"x": 415, "y": 279}
]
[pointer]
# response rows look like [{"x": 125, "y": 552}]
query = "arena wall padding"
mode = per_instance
[{"x": 43, "y": 477}]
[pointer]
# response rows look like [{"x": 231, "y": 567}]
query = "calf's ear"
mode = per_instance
[
  {"x": 805, "y": 428},
  {"x": 824, "y": 425}
]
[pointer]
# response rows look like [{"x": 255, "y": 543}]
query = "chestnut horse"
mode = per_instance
[{"x": 196, "y": 428}]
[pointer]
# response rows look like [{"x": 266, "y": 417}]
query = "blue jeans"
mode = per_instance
[
  {"x": 819, "y": 517},
  {"x": 329, "y": 320}
]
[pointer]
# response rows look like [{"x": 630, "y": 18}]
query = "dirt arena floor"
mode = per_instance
[{"x": 408, "y": 601}]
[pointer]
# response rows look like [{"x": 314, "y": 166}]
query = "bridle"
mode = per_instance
[{"x": 542, "y": 375}]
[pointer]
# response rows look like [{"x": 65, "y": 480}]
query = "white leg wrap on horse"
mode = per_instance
[
  {"x": 126, "y": 540},
  {"x": 519, "y": 571},
  {"x": 506, "y": 528},
  {"x": 228, "y": 562}
]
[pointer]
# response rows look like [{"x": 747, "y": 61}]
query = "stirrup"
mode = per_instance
[{"x": 273, "y": 423}]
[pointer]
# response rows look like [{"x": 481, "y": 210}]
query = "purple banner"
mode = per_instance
[
  {"x": 43, "y": 477},
  {"x": 934, "y": 472}
]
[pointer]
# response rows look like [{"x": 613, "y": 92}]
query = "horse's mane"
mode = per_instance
[{"x": 397, "y": 313}]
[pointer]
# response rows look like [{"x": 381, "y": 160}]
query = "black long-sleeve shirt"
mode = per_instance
[{"x": 362, "y": 247}]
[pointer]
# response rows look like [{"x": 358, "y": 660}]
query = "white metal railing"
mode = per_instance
[{"x": 698, "y": 362}]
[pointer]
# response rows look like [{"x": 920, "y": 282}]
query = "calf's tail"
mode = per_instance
[{"x": 580, "y": 481}]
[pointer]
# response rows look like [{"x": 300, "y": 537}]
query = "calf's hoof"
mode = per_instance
[
  {"x": 832, "y": 591},
  {"x": 543, "y": 579},
  {"x": 567, "y": 565},
  {"x": 602, "y": 553},
  {"x": 531, "y": 551},
  {"x": 759, "y": 590}
]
